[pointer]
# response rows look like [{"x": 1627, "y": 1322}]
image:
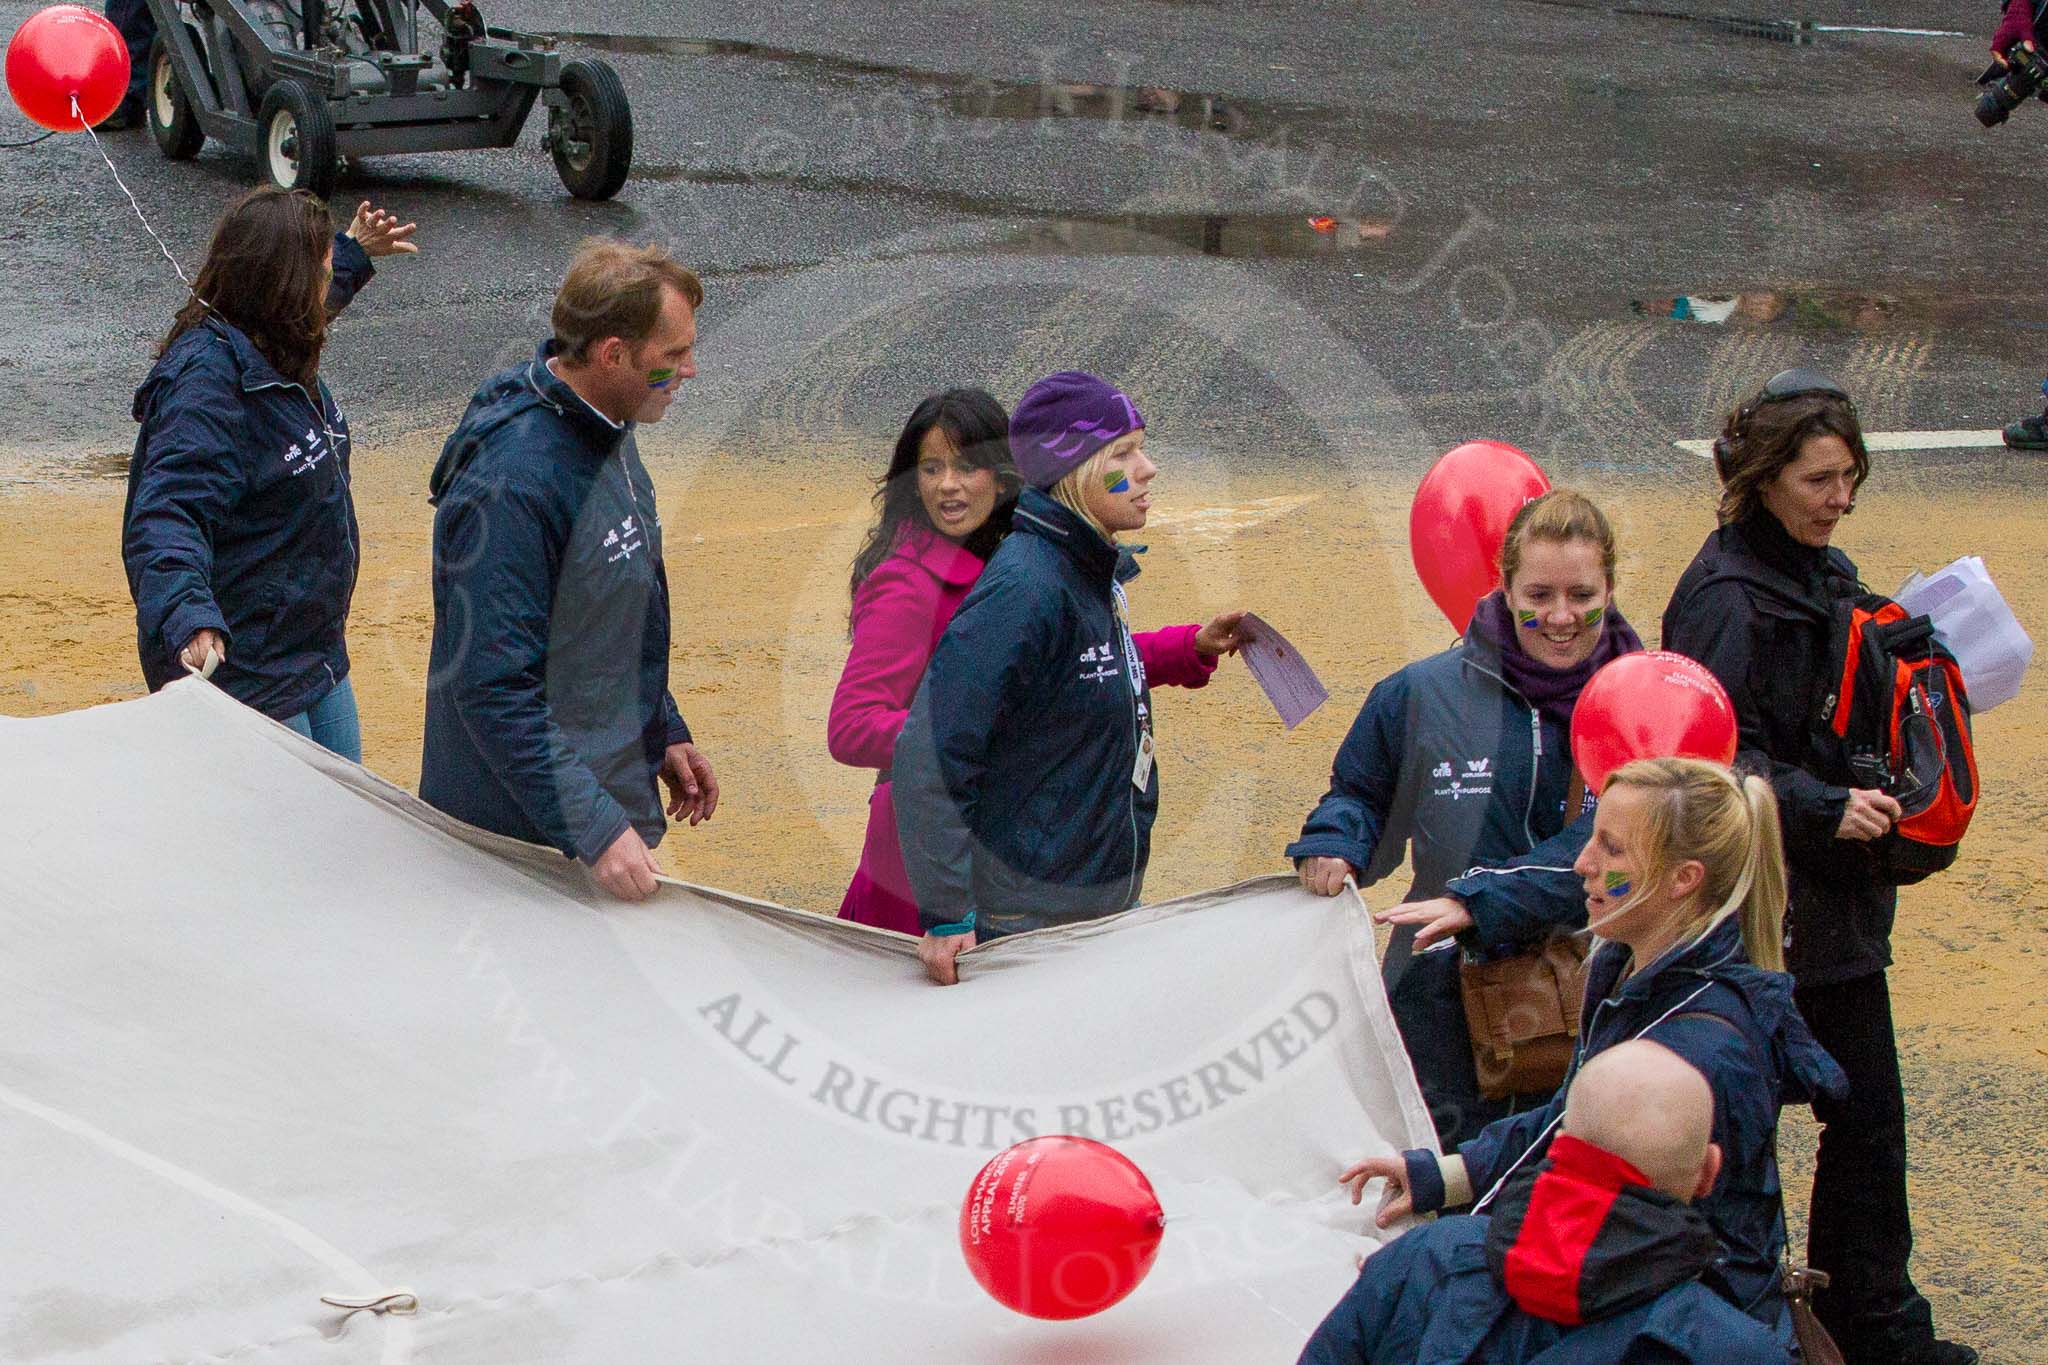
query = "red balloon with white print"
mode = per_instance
[{"x": 1060, "y": 1227}]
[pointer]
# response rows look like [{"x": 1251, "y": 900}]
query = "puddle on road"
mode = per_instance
[
  {"x": 1795, "y": 32},
  {"x": 984, "y": 97},
  {"x": 1153, "y": 105},
  {"x": 1267, "y": 236},
  {"x": 1814, "y": 310},
  {"x": 1232, "y": 236}
]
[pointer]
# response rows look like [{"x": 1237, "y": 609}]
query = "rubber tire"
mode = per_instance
[
  {"x": 317, "y": 161},
  {"x": 182, "y": 137},
  {"x": 597, "y": 98}
]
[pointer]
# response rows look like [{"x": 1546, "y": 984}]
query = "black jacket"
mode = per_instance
[
  {"x": 1014, "y": 772},
  {"x": 1772, "y": 656},
  {"x": 548, "y": 709},
  {"x": 239, "y": 517}
]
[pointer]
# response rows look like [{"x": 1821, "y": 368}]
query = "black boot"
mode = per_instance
[{"x": 2029, "y": 433}]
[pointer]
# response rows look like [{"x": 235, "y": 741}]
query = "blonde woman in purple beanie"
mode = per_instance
[{"x": 1026, "y": 773}]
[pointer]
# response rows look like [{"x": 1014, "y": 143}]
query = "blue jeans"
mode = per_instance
[{"x": 331, "y": 723}]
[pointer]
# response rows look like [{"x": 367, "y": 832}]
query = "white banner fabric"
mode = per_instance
[{"x": 273, "y": 1030}]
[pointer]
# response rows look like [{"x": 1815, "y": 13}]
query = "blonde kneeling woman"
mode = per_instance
[{"x": 1685, "y": 886}]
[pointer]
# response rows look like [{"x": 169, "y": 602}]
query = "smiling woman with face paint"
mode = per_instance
[
  {"x": 1025, "y": 773},
  {"x": 1464, "y": 759},
  {"x": 1684, "y": 880}
]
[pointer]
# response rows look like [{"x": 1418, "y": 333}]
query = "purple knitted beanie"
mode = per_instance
[{"x": 1062, "y": 420}]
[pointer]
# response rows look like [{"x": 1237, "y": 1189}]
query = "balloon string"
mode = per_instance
[{"x": 79, "y": 114}]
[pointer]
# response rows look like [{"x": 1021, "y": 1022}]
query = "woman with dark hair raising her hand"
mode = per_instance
[{"x": 240, "y": 532}]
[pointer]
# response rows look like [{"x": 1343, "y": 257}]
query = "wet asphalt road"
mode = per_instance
[{"x": 887, "y": 199}]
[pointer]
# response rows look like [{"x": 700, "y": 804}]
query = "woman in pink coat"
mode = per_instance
[{"x": 943, "y": 507}]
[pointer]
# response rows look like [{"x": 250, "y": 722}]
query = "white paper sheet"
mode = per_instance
[
  {"x": 1972, "y": 619},
  {"x": 1289, "y": 683}
]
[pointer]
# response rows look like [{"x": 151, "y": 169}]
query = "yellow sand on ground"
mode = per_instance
[{"x": 757, "y": 562}]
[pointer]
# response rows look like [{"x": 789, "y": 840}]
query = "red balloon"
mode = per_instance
[
  {"x": 1655, "y": 704},
  {"x": 1060, "y": 1227},
  {"x": 1460, "y": 520},
  {"x": 60, "y": 52}
]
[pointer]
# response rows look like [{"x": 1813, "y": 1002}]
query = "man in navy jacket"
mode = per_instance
[
  {"x": 1595, "y": 1255},
  {"x": 549, "y": 716}
]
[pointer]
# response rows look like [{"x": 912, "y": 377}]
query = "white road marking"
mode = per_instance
[
  {"x": 1895, "y": 32},
  {"x": 1891, "y": 440}
]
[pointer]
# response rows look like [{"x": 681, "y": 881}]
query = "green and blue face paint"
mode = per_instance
[
  {"x": 662, "y": 378},
  {"x": 1527, "y": 620},
  {"x": 1618, "y": 884},
  {"x": 1116, "y": 480},
  {"x": 1594, "y": 617}
]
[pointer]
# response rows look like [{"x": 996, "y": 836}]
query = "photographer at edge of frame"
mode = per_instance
[{"x": 2017, "y": 29}]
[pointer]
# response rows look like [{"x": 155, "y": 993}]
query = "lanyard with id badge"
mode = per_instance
[{"x": 1141, "y": 771}]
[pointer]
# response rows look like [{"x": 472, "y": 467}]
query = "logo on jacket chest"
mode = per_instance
[
  {"x": 624, "y": 540},
  {"x": 1458, "y": 779},
  {"x": 310, "y": 449},
  {"x": 1099, "y": 663}
]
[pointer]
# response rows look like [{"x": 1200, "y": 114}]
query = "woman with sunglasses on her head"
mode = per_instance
[
  {"x": 945, "y": 504},
  {"x": 1464, "y": 758},
  {"x": 1684, "y": 884},
  {"x": 1754, "y": 607},
  {"x": 240, "y": 532}
]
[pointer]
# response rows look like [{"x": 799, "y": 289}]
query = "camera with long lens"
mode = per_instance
[{"x": 2006, "y": 88}]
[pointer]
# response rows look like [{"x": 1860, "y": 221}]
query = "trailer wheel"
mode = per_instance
[
  {"x": 592, "y": 138},
  {"x": 172, "y": 121},
  {"x": 295, "y": 139}
]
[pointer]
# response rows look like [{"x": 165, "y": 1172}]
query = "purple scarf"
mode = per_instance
[{"x": 1552, "y": 691}]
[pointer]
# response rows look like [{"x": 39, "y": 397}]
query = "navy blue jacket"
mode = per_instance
[
  {"x": 1737, "y": 1024},
  {"x": 1015, "y": 798},
  {"x": 548, "y": 708},
  {"x": 239, "y": 517},
  {"x": 1430, "y": 1296},
  {"x": 1525, "y": 896},
  {"x": 1449, "y": 764}
]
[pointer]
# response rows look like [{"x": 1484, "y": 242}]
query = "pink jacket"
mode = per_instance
[{"x": 899, "y": 612}]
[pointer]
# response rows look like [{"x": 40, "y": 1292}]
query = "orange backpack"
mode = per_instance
[{"x": 1900, "y": 718}]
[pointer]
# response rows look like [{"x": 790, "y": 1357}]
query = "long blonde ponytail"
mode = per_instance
[
  {"x": 1763, "y": 909},
  {"x": 1699, "y": 810}
]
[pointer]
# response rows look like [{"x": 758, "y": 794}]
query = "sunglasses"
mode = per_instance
[{"x": 1797, "y": 383}]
